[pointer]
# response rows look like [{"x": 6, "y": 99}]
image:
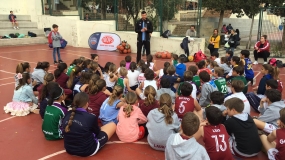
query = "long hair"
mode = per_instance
[
  {"x": 99, "y": 85},
  {"x": 273, "y": 71},
  {"x": 166, "y": 108},
  {"x": 131, "y": 99},
  {"x": 112, "y": 70},
  {"x": 21, "y": 67},
  {"x": 24, "y": 80},
  {"x": 60, "y": 69},
  {"x": 47, "y": 79},
  {"x": 79, "y": 101},
  {"x": 117, "y": 91},
  {"x": 55, "y": 94},
  {"x": 150, "y": 94},
  {"x": 74, "y": 72}
]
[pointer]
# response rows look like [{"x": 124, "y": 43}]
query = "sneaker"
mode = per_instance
[
  {"x": 254, "y": 81},
  {"x": 18, "y": 28},
  {"x": 14, "y": 27},
  {"x": 55, "y": 62},
  {"x": 60, "y": 61},
  {"x": 264, "y": 62},
  {"x": 255, "y": 62}
]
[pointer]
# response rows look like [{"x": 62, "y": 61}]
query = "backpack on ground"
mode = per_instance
[
  {"x": 12, "y": 35},
  {"x": 279, "y": 64},
  {"x": 272, "y": 61},
  {"x": 185, "y": 59},
  {"x": 199, "y": 56},
  {"x": 253, "y": 100},
  {"x": 63, "y": 43},
  {"x": 166, "y": 34},
  {"x": 31, "y": 34},
  {"x": 21, "y": 36}
]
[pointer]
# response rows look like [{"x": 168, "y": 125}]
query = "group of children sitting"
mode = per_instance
[{"x": 174, "y": 107}]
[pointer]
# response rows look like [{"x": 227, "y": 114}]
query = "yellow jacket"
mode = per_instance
[{"x": 216, "y": 41}]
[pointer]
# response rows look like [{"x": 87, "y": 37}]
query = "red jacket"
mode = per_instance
[
  {"x": 95, "y": 102},
  {"x": 266, "y": 46}
]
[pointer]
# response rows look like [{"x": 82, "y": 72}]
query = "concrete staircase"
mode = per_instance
[
  {"x": 124, "y": 25},
  {"x": 211, "y": 13},
  {"x": 25, "y": 25}
]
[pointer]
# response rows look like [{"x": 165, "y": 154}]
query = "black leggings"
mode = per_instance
[{"x": 263, "y": 54}]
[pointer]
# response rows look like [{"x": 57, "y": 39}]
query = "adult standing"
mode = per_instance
[
  {"x": 261, "y": 49},
  {"x": 232, "y": 41},
  {"x": 214, "y": 42},
  {"x": 143, "y": 28}
]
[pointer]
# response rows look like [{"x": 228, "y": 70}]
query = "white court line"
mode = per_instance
[
  {"x": 17, "y": 60},
  {"x": 25, "y": 51},
  {"x": 6, "y": 78},
  {"x": 6, "y": 84},
  {"x": 110, "y": 142},
  {"x": 7, "y": 119},
  {"x": 7, "y": 72}
]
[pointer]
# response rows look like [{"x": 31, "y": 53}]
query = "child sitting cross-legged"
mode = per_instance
[
  {"x": 165, "y": 88},
  {"x": 129, "y": 117},
  {"x": 149, "y": 103},
  {"x": 269, "y": 116},
  {"x": 149, "y": 75},
  {"x": 236, "y": 88},
  {"x": 207, "y": 88},
  {"x": 274, "y": 143},
  {"x": 270, "y": 84},
  {"x": 162, "y": 122},
  {"x": 188, "y": 77},
  {"x": 237, "y": 74},
  {"x": 220, "y": 81},
  {"x": 215, "y": 135},
  {"x": 183, "y": 145},
  {"x": 217, "y": 100},
  {"x": 244, "y": 140},
  {"x": 185, "y": 103}
]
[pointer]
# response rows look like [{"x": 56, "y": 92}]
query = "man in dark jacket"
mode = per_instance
[
  {"x": 12, "y": 19},
  {"x": 144, "y": 29}
]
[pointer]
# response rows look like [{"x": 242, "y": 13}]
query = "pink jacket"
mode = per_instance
[
  {"x": 266, "y": 46},
  {"x": 128, "y": 128}
]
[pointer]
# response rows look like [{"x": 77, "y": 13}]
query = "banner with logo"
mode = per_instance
[{"x": 104, "y": 41}]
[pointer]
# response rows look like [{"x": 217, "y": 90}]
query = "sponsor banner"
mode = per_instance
[{"x": 104, "y": 41}]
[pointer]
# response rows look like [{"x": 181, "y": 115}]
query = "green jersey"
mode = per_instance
[
  {"x": 120, "y": 82},
  {"x": 242, "y": 78},
  {"x": 52, "y": 121},
  {"x": 221, "y": 85},
  {"x": 196, "y": 80},
  {"x": 175, "y": 62},
  {"x": 69, "y": 69}
]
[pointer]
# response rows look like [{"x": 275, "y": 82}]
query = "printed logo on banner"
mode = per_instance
[
  {"x": 107, "y": 39},
  {"x": 104, "y": 41}
]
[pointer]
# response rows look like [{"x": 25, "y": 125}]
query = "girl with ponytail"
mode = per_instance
[
  {"x": 60, "y": 75},
  {"x": 76, "y": 62},
  {"x": 110, "y": 107},
  {"x": 24, "y": 100},
  {"x": 268, "y": 72},
  {"x": 162, "y": 122},
  {"x": 133, "y": 75},
  {"x": 82, "y": 135},
  {"x": 54, "y": 114},
  {"x": 149, "y": 103},
  {"x": 129, "y": 117},
  {"x": 112, "y": 77},
  {"x": 23, "y": 67},
  {"x": 96, "y": 94},
  {"x": 74, "y": 77}
]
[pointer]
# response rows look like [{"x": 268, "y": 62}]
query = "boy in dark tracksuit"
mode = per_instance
[{"x": 12, "y": 19}]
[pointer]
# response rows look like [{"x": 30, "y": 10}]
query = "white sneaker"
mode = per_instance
[
  {"x": 18, "y": 28},
  {"x": 14, "y": 27},
  {"x": 264, "y": 62},
  {"x": 255, "y": 62}
]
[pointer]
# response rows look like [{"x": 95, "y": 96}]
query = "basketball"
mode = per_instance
[
  {"x": 163, "y": 55},
  {"x": 190, "y": 58},
  {"x": 168, "y": 55},
  {"x": 125, "y": 51}
]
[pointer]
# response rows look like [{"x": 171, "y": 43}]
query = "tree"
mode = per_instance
[
  {"x": 221, "y": 6},
  {"x": 251, "y": 9}
]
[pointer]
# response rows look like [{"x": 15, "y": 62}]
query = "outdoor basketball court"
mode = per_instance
[{"x": 22, "y": 138}]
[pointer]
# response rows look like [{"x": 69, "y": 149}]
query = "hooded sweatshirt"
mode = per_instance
[
  {"x": 271, "y": 113},
  {"x": 39, "y": 75},
  {"x": 179, "y": 148},
  {"x": 243, "y": 131},
  {"x": 158, "y": 130},
  {"x": 206, "y": 90},
  {"x": 180, "y": 69}
]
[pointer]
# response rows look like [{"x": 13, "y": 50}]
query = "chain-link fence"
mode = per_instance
[{"x": 271, "y": 23}]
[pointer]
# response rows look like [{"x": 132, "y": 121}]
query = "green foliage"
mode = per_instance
[
  {"x": 250, "y": 8},
  {"x": 167, "y": 8},
  {"x": 222, "y": 5}
]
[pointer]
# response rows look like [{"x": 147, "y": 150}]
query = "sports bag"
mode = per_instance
[
  {"x": 12, "y": 35},
  {"x": 31, "y": 34},
  {"x": 63, "y": 43},
  {"x": 199, "y": 56},
  {"x": 272, "y": 61},
  {"x": 166, "y": 34},
  {"x": 253, "y": 100},
  {"x": 185, "y": 59},
  {"x": 279, "y": 64}
]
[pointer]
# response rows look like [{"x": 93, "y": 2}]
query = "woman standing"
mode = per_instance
[{"x": 214, "y": 42}]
